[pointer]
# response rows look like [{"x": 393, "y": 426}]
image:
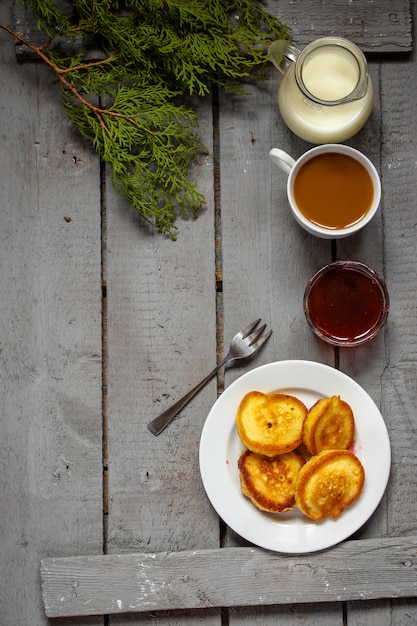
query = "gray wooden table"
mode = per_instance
[{"x": 105, "y": 323}]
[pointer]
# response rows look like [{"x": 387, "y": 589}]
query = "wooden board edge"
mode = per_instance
[
  {"x": 107, "y": 584},
  {"x": 26, "y": 25}
]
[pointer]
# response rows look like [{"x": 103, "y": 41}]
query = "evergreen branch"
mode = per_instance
[
  {"x": 38, "y": 50},
  {"x": 87, "y": 66},
  {"x": 152, "y": 176},
  {"x": 153, "y": 51}
]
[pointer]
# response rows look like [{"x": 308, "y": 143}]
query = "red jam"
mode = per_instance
[{"x": 346, "y": 303}]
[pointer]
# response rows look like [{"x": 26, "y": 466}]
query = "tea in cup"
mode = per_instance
[{"x": 333, "y": 190}]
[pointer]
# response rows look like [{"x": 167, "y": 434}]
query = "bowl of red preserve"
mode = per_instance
[{"x": 346, "y": 303}]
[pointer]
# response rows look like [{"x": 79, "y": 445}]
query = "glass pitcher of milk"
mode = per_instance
[{"x": 325, "y": 94}]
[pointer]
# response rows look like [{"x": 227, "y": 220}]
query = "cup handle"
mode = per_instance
[
  {"x": 283, "y": 54},
  {"x": 282, "y": 159}
]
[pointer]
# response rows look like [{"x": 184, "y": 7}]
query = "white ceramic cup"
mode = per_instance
[{"x": 291, "y": 167}]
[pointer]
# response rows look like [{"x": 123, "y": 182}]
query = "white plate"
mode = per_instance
[{"x": 220, "y": 447}]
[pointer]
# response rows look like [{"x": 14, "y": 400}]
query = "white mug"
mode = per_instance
[{"x": 333, "y": 190}]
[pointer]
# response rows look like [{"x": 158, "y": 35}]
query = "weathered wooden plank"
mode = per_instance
[
  {"x": 161, "y": 340},
  {"x": 398, "y": 380},
  {"x": 387, "y": 368},
  {"x": 265, "y": 233},
  {"x": 267, "y": 260},
  {"x": 367, "y": 364},
  {"x": 394, "y": 386},
  {"x": 228, "y": 577},
  {"x": 379, "y": 26},
  {"x": 322, "y": 613},
  {"x": 50, "y": 329},
  {"x": 169, "y": 288}
]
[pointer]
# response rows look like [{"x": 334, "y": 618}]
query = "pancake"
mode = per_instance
[
  {"x": 328, "y": 483},
  {"x": 329, "y": 425},
  {"x": 269, "y": 482},
  {"x": 270, "y": 424}
]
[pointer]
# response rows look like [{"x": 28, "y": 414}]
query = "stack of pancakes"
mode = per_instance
[{"x": 296, "y": 456}]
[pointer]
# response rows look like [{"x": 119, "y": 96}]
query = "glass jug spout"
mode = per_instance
[{"x": 283, "y": 54}]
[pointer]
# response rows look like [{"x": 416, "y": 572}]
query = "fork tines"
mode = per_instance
[{"x": 247, "y": 331}]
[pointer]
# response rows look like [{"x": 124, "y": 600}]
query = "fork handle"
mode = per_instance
[{"x": 159, "y": 423}]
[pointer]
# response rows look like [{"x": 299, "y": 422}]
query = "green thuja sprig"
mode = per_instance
[
  {"x": 150, "y": 143},
  {"x": 125, "y": 99}
]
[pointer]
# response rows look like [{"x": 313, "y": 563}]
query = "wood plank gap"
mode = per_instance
[
  {"x": 224, "y": 613},
  {"x": 218, "y": 236},
  {"x": 104, "y": 341},
  {"x": 334, "y": 257},
  {"x": 224, "y": 616}
]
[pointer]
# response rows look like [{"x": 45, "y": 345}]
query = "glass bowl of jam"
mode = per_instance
[{"x": 346, "y": 303}]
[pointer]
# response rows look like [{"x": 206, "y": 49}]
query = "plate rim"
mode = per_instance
[{"x": 221, "y": 469}]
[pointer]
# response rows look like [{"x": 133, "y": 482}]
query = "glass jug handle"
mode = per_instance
[{"x": 283, "y": 54}]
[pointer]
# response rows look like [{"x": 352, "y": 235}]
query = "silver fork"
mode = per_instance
[{"x": 243, "y": 345}]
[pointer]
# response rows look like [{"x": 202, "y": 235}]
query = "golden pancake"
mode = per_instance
[
  {"x": 270, "y": 424},
  {"x": 328, "y": 483},
  {"x": 329, "y": 425},
  {"x": 269, "y": 482}
]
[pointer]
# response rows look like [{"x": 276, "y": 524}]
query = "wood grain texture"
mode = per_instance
[
  {"x": 169, "y": 311},
  {"x": 161, "y": 341},
  {"x": 374, "y": 26},
  {"x": 394, "y": 385},
  {"x": 387, "y": 368},
  {"x": 50, "y": 329},
  {"x": 228, "y": 577},
  {"x": 267, "y": 260},
  {"x": 162, "y": 329},
  {"x": 255, "y": 218},
  {"x": 391, "y": 32}
]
